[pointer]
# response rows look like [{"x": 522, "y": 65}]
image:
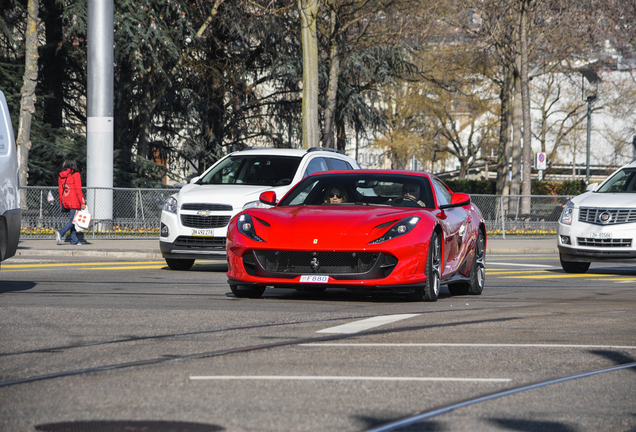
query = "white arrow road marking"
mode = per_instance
[{"x": 366, "y": 324}]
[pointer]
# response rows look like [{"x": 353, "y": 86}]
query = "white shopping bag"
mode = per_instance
[
  {"x": 50, "y": 198},
  {"x": 82, "y": 220}
]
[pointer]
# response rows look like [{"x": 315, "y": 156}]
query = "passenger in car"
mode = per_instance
[{"x": 335, "y": 196}]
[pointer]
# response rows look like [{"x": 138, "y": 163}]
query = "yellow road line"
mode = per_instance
[
  {"x": 117, "y": 263},
  {"x": 556, "y": 276},
  {"x": 75, "y": 264},
  {"x": 500, "y": 272}
]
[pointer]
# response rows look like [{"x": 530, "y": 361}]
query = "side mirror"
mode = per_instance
[
  {"x": 591, "y": 187},
  {"x": 458, "y": 199},
  {"x": 268, "y": 198},
  {"x": 194, "y": 179}
]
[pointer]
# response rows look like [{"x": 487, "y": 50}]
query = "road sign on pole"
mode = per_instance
[{"x": 540, "y": 161}]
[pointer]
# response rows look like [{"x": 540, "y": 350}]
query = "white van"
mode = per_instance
[{"x": 10, "y": 212}]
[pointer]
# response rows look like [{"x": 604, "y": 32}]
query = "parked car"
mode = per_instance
[
  {"x": 600, "y": 224},
  {"x": 398, "y": 231},
  {"x": 10, "y": 212},
  {"x": 194, "y": 220}
]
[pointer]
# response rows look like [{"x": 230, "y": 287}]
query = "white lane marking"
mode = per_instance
[
  {"x": 365, "y": 324},
  {"x": 519, "y": 265},
  {"x": 408, "y": 345},
  {"x": 340, "y": 378}
]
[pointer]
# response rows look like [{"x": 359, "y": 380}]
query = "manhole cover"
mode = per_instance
[{"x": 128, "y": 426}]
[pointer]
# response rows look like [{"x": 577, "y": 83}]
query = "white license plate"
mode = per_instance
[
  {"x": 203, "y": 232},
  {"x": 601, "y": 235},
  {"x": 314, "y": 279}
]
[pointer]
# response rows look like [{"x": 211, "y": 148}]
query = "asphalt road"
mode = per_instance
[{"x": 108, "y": 344}]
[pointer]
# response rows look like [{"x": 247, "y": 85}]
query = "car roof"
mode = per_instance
[
  {"x": 290, "y": 152},
  {"x": 375, "y": 171}
]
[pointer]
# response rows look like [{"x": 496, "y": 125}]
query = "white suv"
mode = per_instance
[{"x": 194, "y": 221}]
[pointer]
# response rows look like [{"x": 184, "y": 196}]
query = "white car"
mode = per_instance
[
  {"x": 10, "y": 212},
  {"x": 194, "y": 221},
  {"x": 600, "y": 225}
]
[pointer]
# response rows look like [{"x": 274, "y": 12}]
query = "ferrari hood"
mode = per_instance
[
  {"x": 236, "y": 195},
  {"x": 605, "y": 200},
  {"x": 325, "y": 226}
]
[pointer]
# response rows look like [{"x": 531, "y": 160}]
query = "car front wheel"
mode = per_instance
[
  {"x": 430, "y": 291},
  {"x": 574, "y": 267},
  {"x": 180, "y": 264}
]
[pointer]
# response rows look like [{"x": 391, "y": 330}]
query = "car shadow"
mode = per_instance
[
  {"x": 340, "y": 295},
  {"x": 13, "y": 286}
]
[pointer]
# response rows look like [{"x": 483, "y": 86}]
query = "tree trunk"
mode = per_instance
[
  {"x": 332, "y": 89},
  {"x": 527, "y": 123},
  {"x": 27, "y": 103},
  {"x": 308, "y": 13},
  {"x": 504, "y": 134}
]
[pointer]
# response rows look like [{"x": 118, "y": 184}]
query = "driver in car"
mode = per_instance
[{"x": 411, "y": 191}]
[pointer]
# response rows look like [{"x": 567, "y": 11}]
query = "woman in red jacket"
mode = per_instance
[{"x": 70, "y": 185}]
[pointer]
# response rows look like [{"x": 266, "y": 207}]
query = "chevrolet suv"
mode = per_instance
[{"x": 194, "y": 221}]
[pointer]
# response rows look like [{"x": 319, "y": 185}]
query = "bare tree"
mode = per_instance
[{"x": 27, "y": 103}]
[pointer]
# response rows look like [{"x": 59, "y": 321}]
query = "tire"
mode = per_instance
[
  {"x": 180, "y": 264},
  {"x": 574, "y": 267},
  {"x": 247, "y": 291},
  {"x": 430, "y": 291},
  {"x": 477, "y": 272}
]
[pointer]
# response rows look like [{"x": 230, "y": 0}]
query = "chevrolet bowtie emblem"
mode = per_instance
[{"x": 204, "y": 213}]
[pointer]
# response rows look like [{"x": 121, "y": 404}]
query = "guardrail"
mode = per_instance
[{"x": 137, "y": 212}]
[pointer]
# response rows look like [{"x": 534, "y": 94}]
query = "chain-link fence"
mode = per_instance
[
  {"x": 531, "y": 215},
  {"x": 137, "y": 212},
  {"x": 130, "y": 212}
]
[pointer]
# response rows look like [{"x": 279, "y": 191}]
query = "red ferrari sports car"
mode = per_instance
[{"x": 398, "y": 231}]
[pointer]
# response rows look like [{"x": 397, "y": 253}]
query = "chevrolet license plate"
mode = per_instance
[{"x": 203, "y": 233}]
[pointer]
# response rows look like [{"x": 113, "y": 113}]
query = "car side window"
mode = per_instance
[
  {"x": 316, "y": 165},
  {"x": 441, "y": 192},
  {"x": 337, "y": 164}
]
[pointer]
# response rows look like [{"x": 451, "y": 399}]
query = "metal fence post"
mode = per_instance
[{"x": 503, "y": 218}]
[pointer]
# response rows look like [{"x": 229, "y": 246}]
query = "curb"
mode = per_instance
[{"x": 89, "y": 253}]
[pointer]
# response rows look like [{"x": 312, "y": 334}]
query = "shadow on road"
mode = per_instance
[{"x": 11, "y": 286}]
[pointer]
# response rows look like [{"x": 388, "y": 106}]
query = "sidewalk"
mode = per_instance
[{"x": 149, "y": 248}]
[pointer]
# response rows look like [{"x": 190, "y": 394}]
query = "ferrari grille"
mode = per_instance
[
  {"x": 316, "y": 262},
  {"x": 206, "y": 206},
  {"x": 604, "y": 243},
  {"x": 607, "y": 216},
  {"x": 196, "y": 221}
]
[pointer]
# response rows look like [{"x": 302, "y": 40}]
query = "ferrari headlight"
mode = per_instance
[
  {"x": 256, "y": 204},
  {"x": 566, "y": 216},
  {"x": 246, "y": 227},
  {"x": 399, "y": 229},
  {"x": 170, "y": 205}
]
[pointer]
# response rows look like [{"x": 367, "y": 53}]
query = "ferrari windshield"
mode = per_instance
[
  {"x": 362, "y": 189},
  {"x": 624, "y": 181},
  {"x": 265, "y": 170}
]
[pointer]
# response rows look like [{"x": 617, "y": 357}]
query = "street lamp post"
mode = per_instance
[{"x": 589, "y": 94}]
